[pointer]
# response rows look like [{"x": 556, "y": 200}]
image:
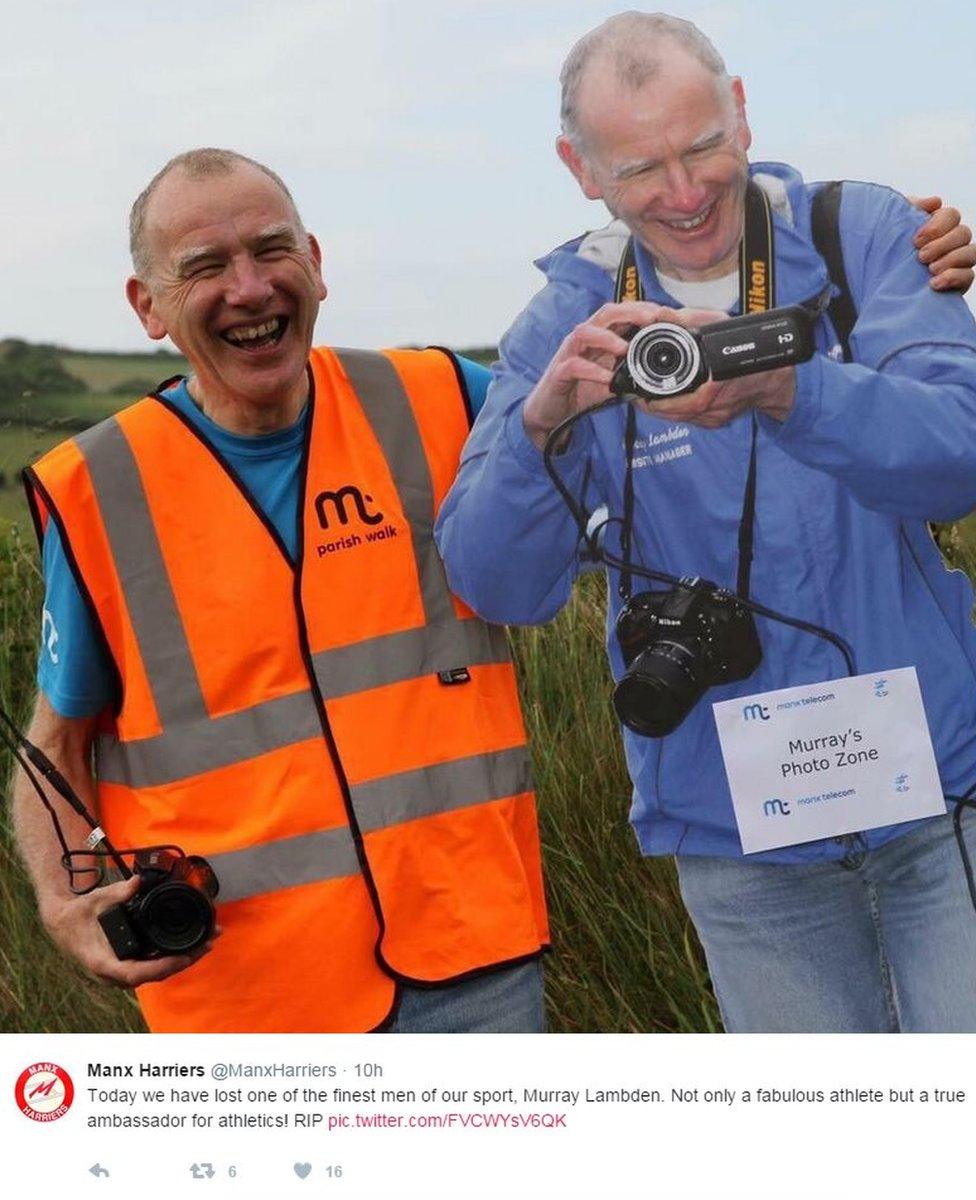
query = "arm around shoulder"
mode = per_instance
[{"x": 895, "y": 426}]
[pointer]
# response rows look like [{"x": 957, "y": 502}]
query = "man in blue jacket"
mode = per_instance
[{"x": 872, "y": 932}]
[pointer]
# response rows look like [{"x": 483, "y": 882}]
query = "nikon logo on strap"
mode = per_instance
[
  {"x": 757, "y": 270},
  {"x": 631, "y": 289},
  {"x": 757, "y": 297}
]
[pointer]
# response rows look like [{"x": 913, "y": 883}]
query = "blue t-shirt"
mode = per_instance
[{"x": 72, "y": 669}]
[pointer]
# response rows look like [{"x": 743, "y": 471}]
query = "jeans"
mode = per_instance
[
  {"x": 506, "y": 1001},
  {"x": 886, "y": 946}
]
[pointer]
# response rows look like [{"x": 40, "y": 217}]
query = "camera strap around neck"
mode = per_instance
[{"x": 757, "y": 293}]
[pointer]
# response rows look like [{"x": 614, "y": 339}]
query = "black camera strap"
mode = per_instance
[
  {"x": 825, "y": 229},
  {"x": 757, "y": 293},
  {"x": 628, "y": 285},
  {"x": 31, "y": 758}
]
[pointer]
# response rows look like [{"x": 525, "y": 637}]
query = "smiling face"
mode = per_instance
[
  {"x": 669, "y": 159},
  {"x": 236, "y": 283}
]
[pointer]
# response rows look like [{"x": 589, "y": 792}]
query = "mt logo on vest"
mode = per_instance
[{"x": 338, "y": 500}]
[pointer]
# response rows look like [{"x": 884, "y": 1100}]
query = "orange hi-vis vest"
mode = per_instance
[{"x": 340, "y": 737}]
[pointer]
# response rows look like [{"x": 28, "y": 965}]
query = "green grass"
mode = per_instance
[
  {"x": 958, "y": 544},
  {"x": 19, "y": 446},
  {"x": 66, "y": 410},
  {"x": 625, "y": 956},
  {"x": 102, "y": 372}
]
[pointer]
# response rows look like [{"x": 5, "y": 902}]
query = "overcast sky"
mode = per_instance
[{"x": 418, "y": 139}]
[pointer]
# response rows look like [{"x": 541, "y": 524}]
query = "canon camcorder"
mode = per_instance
[{"x": 665, "y": 359}]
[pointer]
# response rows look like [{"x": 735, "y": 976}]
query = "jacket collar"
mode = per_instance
[{"x": 800, "y": 272}]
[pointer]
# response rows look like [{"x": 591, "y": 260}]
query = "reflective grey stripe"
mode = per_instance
[
  {"x": 396, "y": 657},
  {"x": 331, "y": 854},
  {"x": 441, "y": 788},
  {"x": 139, "y": 561},
  {"x": 308, "y": 858},
  {"x": 191, "y": 749},
  {"x": 385, "y": 403}
]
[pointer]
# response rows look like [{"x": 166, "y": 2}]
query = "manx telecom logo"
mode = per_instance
[{"x": 44, "y": 1091}]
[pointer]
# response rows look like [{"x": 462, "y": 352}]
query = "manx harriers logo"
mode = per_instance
[{"x": 44, "y": 1091}]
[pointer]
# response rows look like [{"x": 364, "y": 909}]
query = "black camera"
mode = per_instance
[
  {"x": 676, "y": 644},
  {"x": 172, "y": 912},
  {"x": 666, "y": 360}
]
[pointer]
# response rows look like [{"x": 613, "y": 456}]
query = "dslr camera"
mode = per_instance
[
  {"x": 172, "y": 912},
  {"x": 677, "y": 644},
  {"x": 665, "y": 360}
]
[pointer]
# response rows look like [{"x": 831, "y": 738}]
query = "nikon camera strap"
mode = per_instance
[
  {"x": 757, "y": 283},
  {"x": 757, "y": 293}
]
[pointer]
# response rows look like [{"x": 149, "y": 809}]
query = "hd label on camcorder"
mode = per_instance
[{"x": 826, "y": 759}]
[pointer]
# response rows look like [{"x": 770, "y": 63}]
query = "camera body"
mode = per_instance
[
  {"x": 677, "y": 644},
  {"x": 171, "y": 913},
  {"x": 665, "y": 359}
]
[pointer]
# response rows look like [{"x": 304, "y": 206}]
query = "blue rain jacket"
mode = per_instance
[{"x": 871, "y": 451}]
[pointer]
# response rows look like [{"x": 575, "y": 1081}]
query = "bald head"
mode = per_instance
[
  {"x": 200, "y": 164},
  {"x": 633, "y": 47}
]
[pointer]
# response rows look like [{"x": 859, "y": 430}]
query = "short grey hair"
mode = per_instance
[
  {"x": 632, "y": 43},
  {"x": 197, "y": 164}
]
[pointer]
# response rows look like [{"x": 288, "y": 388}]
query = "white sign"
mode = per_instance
[{"x": 825, "y": 759}]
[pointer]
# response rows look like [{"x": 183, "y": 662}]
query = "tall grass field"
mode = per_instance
[{"x": 624, "y": 956}]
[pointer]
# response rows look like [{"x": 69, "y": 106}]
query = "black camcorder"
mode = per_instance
[
  {"x": 665, "y": 359},
  {"x": 677, "y": 644},
  {"x": 172, "y": 912}
]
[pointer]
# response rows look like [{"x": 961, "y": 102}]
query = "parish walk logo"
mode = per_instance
[
  {"x": 344, "y": 505},
  {"x": 335, "y": 503}
]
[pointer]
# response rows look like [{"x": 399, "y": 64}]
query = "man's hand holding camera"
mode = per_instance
[
  {"x": 579, "y": 375},
  {"x": 72, "y": 922},
  {"x": 582, "y": 370},
  {"x": 716, "y": 403}
]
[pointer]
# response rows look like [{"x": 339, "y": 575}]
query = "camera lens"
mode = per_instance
[
  {"x": 663, "y": 359},
  {"x": 177, "y": 917},
  {"x": 659, "y": 689}
]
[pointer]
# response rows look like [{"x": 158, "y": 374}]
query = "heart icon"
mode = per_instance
[{"x": 302, "y": 1170}]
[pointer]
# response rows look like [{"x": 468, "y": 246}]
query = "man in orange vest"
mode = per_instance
[{"x": 248, "y": 629}]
